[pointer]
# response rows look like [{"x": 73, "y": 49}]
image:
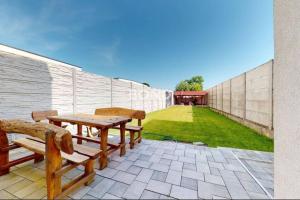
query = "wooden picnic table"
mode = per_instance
[{"x": 100, "y": 122}]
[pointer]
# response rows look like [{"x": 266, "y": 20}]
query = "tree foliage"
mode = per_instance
[{"x": 193, "y": 84}]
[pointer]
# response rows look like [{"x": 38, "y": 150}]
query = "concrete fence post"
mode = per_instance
[{"x": 230, "y": 96}]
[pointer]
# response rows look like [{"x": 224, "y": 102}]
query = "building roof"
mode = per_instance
[{"x": 190, "y": 93}]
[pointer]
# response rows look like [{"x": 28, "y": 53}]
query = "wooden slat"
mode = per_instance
[
  {"x": 117, "y": 111},
  {"x": 91, "y": 120},
  {"x": 40, "y": 148},
  {"x": 87, "y": 151},
  {"x": 130, "y": 128}
]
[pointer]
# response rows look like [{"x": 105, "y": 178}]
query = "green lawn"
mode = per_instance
[{"x": 191, "y": 124}]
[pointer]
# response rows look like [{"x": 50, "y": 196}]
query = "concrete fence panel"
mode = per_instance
[
  {"x": 238, "y": 96},
  {"x": 226, "y": 97},
  {"x": 92, "y": 91},
  {"x": 30, "y": 82},
  {"x": 220, "y": 97},
  {"x": 259, "y": 95}
]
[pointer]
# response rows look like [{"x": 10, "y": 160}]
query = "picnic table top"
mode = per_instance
[{"x": 98, "y": 121}]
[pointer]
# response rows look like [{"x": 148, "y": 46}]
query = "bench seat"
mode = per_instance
[
  {"x": 130, "y": 128},
  {"x": 81, "y": 154}
]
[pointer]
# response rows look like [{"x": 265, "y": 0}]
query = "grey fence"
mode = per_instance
[
  {"x": 30, "y": 82},
  {"x": 247, "y": 98}
]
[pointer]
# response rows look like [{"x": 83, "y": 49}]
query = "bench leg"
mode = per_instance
[
  {"x": 122, "y": 142},
  {"x": 131, "y": 139},
  {"x": 140, "y": 137},
  {"x": 4, "y": 155},
  {"x": 89, "y": 169},
  {"x": 103, "y": 147}
]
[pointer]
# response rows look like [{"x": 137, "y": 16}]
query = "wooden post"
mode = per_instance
[
  {"x": 4, "y": 156},
  {"x": 122, "y": 137},
  {"x": 140, "y": 132},
  {"x": 89, "y": 169},
  {"x": 79, "y": 132},
  {"x": 103, "y": 147},
  {"x": 53, "y": 163},
  {"x": 131, "y": 132}
]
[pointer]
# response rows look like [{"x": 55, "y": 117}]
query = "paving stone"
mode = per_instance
[
  {"x": 87, "y": 196},
  {"x": 110, "y": 196},
  {"x": 124, "y": 177},
  {"x": 124, "y": 165},
  {"x": 165, "y": 161},
  {"x": 134, "y": 170},
  {"x": 144, "y": 157},
  {"x": 208, "y": 190},
  {"x": 216, "y": 165},
  {"x": 133, "y": 157},
  {"x": 159, "y": 151},
  {"x": 160, "y": 167},
  {"x": 244, "y": 176},
  {"x": 150, "y": 195},
  {"x": 214, "y": 179},
  {"x": 118, "y": 189},
  {"x": 159, "y": 187},
  {"x": 159, "y": 176},
  {"x": 78, "y": 194},
  {"x": 118, "y": 158},
  {"x": 17, "y": 186},
  {"x": 214, "y": 171},
  {"x": 252, "y": 186},
  {"x": 107, "y": 172},
  {"x": 135, "y": 190},
  {"x": 179, "y": 152},
  {"x": 189, "y": 183},
  {"x": 165, "y": 197},
  {"x": 258, "y": 196},
  {"x": 142, "y": 163},
  {"x": 6, "y": 195},
  {"x": 113, "y": 164},
  {"x": 99, "y": 190},
  {"x": 97, "y": 180},
  {"x": 145, "y": 175},
  {"x": 193, "y": 174},
  {"x": 170, "y": 157},
  {"x": 176, "y": 165},
  {"x": 232, "y": 167},
  {"x": 174, "y": 177},
  {"x": 203, "y": 167},
  {"x": 186, "y": 159},
  {"x": 27, "y": 190},
  {"x": 190, "y": 166},
  {"x": 183, "y": 193},
  {"x": 155, "y": 158}
]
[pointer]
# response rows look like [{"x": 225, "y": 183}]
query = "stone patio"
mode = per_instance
[{"x": 158, "y": 170}]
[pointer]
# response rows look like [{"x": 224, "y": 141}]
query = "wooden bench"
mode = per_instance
[
  {"x": 56, "y": 144},
  {"x": 133, "y": 114}
]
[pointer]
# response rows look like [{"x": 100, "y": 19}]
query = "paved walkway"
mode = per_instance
[{"x": 159, "y": 170}]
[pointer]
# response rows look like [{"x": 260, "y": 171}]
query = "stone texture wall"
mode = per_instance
[
  {"x": 247, "y": 98},
  {"x": 31, "y": 82}
]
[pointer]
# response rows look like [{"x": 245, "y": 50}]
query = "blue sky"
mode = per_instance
[{"x": 159, "y": 42}]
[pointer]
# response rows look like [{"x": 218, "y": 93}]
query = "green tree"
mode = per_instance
[
  {"x": 183, "y": 86},
  {"x": 193, "y": 84}
]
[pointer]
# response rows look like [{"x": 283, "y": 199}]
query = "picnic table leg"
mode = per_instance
[
  {"x": 122, "y": 137},
  {"x": 4, "y": 156},
  {"x": 79, "y": 133},
  {"x": 103, "y": 147}
]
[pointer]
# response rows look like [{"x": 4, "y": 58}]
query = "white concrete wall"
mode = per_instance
[
  {"x": 219, "y": 97},
  {"x": 92, "y": 91},
  {"x": 238, "y": 96},
  {"x": 287, "y": 99},
  {"x": 249, "y": 97},
  {"x": 226, "y": 96},
  {"x": 259, "y": 94},
  {"x": 30, "y": 82}
]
